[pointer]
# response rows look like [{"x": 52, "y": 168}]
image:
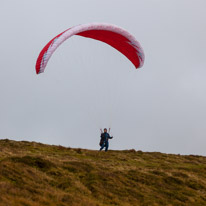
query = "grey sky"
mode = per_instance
[{"x": 87, "y": 84}]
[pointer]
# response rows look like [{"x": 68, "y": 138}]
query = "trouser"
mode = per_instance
[{"x": 106, "y": 145}]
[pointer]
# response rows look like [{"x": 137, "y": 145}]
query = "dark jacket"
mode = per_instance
[{"x": 105, "y": 137}]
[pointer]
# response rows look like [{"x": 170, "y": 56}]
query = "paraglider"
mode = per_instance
[
  {"x": 104, "y": 141},
  {"x": 118, "y": 38}
]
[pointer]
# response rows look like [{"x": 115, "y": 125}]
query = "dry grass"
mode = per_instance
[{"x": 34, "y": 174}]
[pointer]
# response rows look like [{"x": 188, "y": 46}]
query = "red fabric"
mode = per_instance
[
  {"x": 115, "y": 40},
  {"x": 39, "y": 60}
]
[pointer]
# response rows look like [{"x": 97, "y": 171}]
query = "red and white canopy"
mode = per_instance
[{"x": 115, "y": 36}]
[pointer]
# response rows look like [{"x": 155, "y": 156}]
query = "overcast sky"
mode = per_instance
[{"x": 88, "y": 84}]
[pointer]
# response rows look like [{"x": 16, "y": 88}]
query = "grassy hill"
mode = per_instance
[{"x": 34, "y": 174}]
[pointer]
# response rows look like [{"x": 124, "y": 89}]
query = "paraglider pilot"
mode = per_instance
[{"x": 104, "y": 141}]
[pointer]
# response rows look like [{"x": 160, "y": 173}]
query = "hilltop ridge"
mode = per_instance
[{"x": 34, "y": 174}]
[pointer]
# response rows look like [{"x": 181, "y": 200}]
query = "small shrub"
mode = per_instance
[{"x": 37, "y": 162}]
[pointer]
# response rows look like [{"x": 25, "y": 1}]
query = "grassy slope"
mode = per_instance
[{"x": 37, "y": 174}]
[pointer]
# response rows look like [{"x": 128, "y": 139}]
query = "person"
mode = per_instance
[{"x": 104, "y": 141}]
